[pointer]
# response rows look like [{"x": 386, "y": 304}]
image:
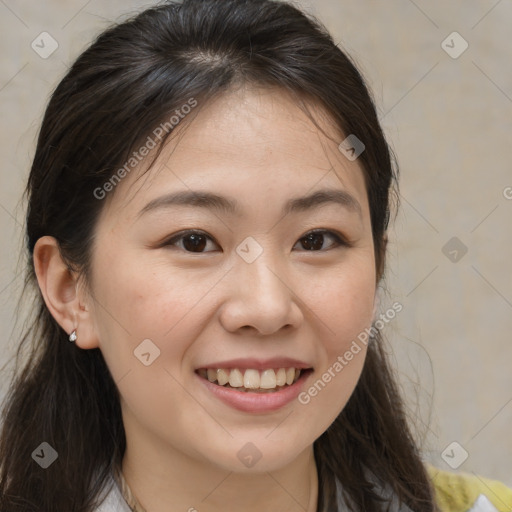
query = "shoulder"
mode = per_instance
[{"x": 463, "y": 492}]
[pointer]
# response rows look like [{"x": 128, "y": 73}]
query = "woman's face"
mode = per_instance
[{"x": 278, "y": 272}]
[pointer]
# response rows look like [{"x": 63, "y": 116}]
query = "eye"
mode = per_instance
[
  {"x": 320, "y": 240},
  {"x": 193, "y": 241}
]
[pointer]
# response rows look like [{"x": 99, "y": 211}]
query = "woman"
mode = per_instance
[{"x": 207, "y": 215}]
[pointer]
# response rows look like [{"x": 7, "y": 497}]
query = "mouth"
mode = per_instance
[{"x": 251, "y": 380}]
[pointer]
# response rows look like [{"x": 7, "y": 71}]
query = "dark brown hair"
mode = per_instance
[{"x": 132, "y": 78}]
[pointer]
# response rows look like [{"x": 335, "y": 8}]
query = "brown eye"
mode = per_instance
[
  {"x": 193, "y": 241},
  {"x": 320, "y": 240}
]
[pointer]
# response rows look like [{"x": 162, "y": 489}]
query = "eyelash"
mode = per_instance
[{"x": 339, "y": 240}]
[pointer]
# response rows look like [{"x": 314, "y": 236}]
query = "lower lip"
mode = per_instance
[{"x": 257, "y": 402}]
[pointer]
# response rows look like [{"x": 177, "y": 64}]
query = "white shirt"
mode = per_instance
[{"x": 114, "y": 501}]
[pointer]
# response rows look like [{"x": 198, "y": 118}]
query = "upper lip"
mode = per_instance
[{"x": 258, "y": 364}]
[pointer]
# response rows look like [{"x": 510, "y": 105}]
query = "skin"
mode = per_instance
[{"x": 258, "y": 148}]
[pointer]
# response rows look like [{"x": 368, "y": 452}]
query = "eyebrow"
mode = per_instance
[{"x": 220, "y": 203}]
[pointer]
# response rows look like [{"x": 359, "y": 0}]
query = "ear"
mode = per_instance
[{"x": 60, "y": 290}]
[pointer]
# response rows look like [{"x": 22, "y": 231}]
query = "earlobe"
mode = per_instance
[{"x": 60, "y": 291}]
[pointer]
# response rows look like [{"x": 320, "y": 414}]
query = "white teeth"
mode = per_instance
[
  {"x": 236, "y": 379},
  {"x": 268, "y": 379},
  {"x": 222, "y": 377},
  {"x": 252, "y": 379},
  {"x": 281, "y": 377}
]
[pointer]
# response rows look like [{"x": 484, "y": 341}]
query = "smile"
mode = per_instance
[
  {"x": 252, "y": 380},
  {"x": 244, "y": 389}
]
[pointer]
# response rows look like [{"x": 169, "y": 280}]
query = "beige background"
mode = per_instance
[{"x": 450, "y": 123}]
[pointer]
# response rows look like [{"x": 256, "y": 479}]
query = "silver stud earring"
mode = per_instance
[{"x": 72, "y": 336}]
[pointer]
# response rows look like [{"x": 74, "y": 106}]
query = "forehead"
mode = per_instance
[{"x": 245, "y": 142}]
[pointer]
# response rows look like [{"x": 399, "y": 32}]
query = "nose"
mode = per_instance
[{"x": 260, "y": 300}]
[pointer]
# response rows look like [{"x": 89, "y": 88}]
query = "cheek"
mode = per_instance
[
  {"x": 156, "y": 302},
  {"x": 141, "y": 303},
  {"x": 343, "y": 305},
  {"x": 148, "y": 299},
  {"x": 344, "y": 302}
]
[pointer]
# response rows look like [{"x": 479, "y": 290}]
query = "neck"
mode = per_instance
[{"x": 159, "y": 476}]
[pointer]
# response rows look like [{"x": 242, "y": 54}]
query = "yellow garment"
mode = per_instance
[{"x": 457, "y": 492}]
